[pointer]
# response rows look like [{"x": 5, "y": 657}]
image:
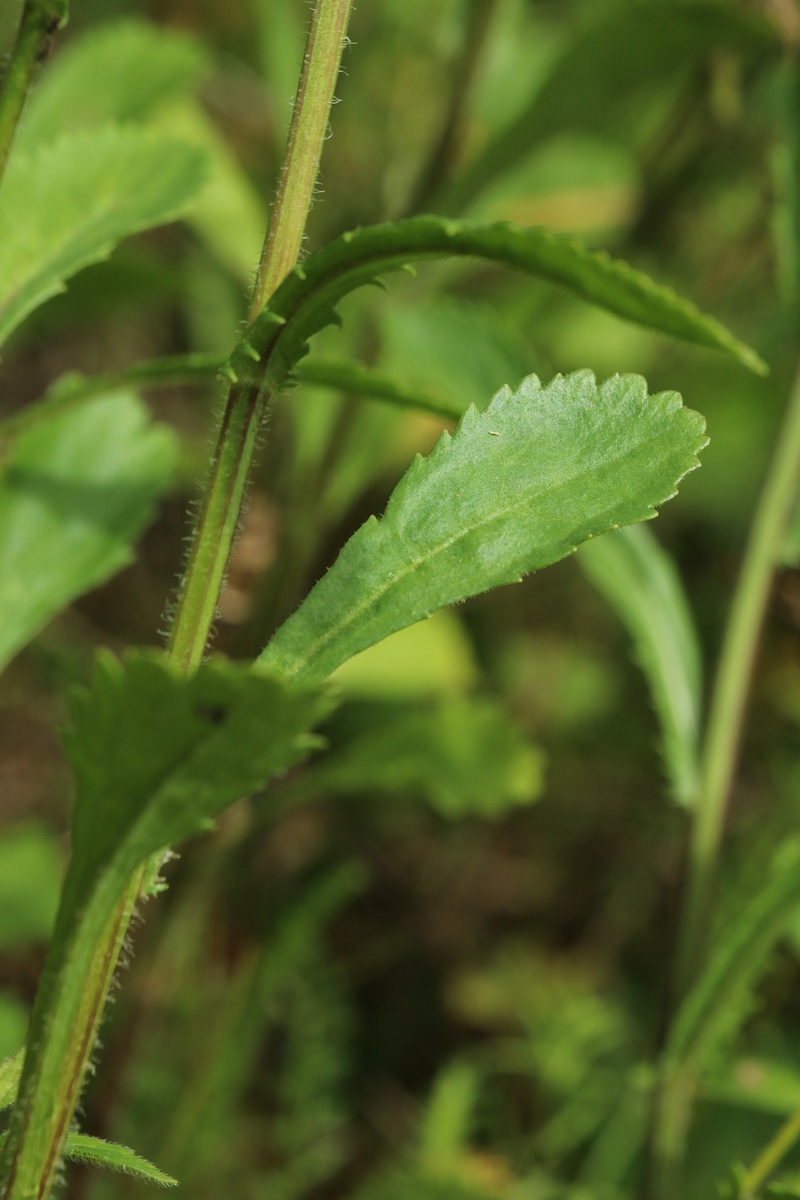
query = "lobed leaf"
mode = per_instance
[
  {"x": 640, "y": 582},
  {"x": 69, "y": 204},
  {"x": 516, "y": 488},
  {"x": 306, "y": 300},
  {"x": 156, "y": 756},
  {"x": 100, "y": 1153},
  {"x": 75, "y": 492}
]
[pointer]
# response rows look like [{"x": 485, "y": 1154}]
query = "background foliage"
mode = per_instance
[{"x": 403, "y": 972}]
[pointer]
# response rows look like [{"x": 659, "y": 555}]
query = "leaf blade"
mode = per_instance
[
  {"x": 306, "y": 301},
  {"x": 97, "y": 1152},
  {"x": 74, "y": 494},
  {"x": 68, "y": 204},
  {"x": 458, "y": 522}
]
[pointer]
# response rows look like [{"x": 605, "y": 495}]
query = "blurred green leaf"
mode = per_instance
[
  {"x": 640, "y": 582},
  {"x": 68, "y": 205},
  {"x": 713, "y": 1009},
  {"x": 121, "y": 71},
  {"x": 74, "y": 494},
  {"x": 464, "y": 756},
  {"x": 449, "y": 1115},
  {"x": 610, "y": 70},
  {"x": 30, "y": 883},
  {"x": 516, "y": 488},
  {"x": 431, "y": 658}
]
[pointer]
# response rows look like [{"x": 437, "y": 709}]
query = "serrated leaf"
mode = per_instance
[
  {"x": 97, "y": 1152},
  {"x": 609, "y": 70},
  {"x": 516, "y": 488},
  {"x": 68, "y": 205},
  {"x": 210, "y": 739},
  {"x": 156, "y": 756},
  {"x": 463, "y": 756},
  {"x": 121, "y": 71},
  {"x": 306, "y": 300},
  {"x": 639, "y": 581},
  {"x": 75, "y": 492}
]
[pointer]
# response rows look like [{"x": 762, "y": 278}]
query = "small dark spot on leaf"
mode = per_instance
[{"x": 214, "y": 714}]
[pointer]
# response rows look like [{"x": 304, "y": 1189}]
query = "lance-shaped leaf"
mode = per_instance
[
  {"x": 306, "y": 300},
  {"x": 156, "y": 756},
  {"x": 641, "y": 584},
  {"x": 74, "y": 494},
  {"x": 517, "y": 487},
  {"x": 97, "y": 1152},
  {"x": 68, "y": 205}
]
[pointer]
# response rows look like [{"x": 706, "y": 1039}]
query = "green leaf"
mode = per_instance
[
  {"x": 100, "y": 1153},
  {"x": 30, "y": 881},
  {"x": 516, "y": 488},
  {"x": 210, "y": 739},
  {"x": 641, "y": 584},
  {"x": 464, "y": 756},
  {"x": 306, "y": 300},
  {"x": 121, "y": 71},
  {"x": 156, "y": 756},
  {"x": 10, "y": 1072},
  {"x": 609, "y": 71},
  {"x": 449, "y": 1116},
  {"x": 713, "y": 1008},
  {"x": 68, "y": 205},
  {"x": 75, "y": 492}
]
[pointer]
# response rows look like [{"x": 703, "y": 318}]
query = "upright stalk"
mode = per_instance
[
  {"x": 244, "y": 408},
  {"x": 675, "y": 1093},
  {"x": 39, "y": 21},
  {"x": 43, "y": 1118},
  {"x": 732, "y": 683}
]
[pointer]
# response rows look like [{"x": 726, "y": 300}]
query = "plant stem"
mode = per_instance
[
  {"x": 245, "y": 407},
  {"x": 40, "y": 20},
  {"x": 732, "y": 682},
  {"x": 771, "y": 1155},
  {"x": 42, "y": 1118},
  {"x": 312, "y": 106},
  {"x": 674, "y": 1097}
]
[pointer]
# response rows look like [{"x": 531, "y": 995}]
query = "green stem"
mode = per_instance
[
  {"x": 771, "y": 1155},
  {"x": 40, "y": 20},
  {"x": 245, "y": 407},
  {"x": 675, "y": 1096},
  {"x": 312, "y": 106},
  {"x": 732, "y": 682},
  {"x": 67, "y": 1029}
]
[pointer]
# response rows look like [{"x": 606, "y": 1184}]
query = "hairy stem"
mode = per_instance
[
  {"x": 72, "y": 997},
  {"x": 245, "y": 407},
  {"x": 40, "y": 20}
]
